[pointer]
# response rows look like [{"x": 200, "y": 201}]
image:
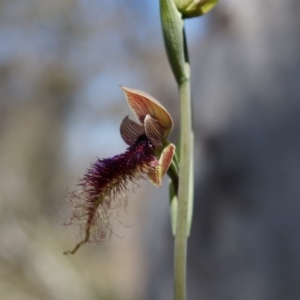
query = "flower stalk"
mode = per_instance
[
  {"x": 176, "y": 47},
  {"x": 173, "y": 13}
]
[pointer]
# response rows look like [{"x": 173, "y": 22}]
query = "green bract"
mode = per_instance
[{"x": 172, "y": 26}]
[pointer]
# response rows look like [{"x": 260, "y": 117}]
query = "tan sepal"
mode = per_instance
[
  {"x": 144, "y": 104},
  {"x": 164, "y": 163},
  {"x": 130, "y": 131},
  {"x": 154, "y": 131}
]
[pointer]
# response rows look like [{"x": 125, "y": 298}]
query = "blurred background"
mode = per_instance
[{"x": 61, "y": 64}]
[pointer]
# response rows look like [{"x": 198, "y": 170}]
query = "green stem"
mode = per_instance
[{"x": 180, "y": 254}]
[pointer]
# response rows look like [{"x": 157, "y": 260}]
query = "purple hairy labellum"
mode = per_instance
[{"x": 103, "y": 187}]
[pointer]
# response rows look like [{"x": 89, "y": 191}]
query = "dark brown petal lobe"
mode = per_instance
[{"x": 130, "y": 131}]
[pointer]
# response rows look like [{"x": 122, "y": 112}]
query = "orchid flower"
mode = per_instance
[{"x": 103, "y": 187}]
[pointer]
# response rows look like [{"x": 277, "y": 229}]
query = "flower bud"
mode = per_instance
[{"x": 194, "y": 8}]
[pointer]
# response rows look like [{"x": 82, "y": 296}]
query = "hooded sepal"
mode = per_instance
[{"x": 144, "y": 104}]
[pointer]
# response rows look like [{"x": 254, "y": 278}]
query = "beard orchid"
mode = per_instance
[{"x": 103, "y": 187}]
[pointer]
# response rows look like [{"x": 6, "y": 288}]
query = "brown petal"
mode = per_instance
[
  {"x": 143, "y": 104},
  {"x": 164, "y": 163},
  {"x": 154, "y": 131},
  {"x": 130, "y": 131}
]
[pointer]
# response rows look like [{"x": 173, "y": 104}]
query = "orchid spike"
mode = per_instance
[{"x": 103, "y": 187}]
